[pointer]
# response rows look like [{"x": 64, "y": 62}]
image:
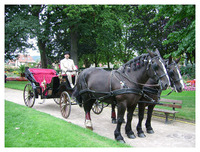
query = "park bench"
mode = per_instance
[{"x": 169, "y": 103}]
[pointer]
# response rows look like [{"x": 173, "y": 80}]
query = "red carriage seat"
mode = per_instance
[{"x": 41, "y": 74}]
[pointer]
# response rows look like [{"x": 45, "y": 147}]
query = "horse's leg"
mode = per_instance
[
  {"x": 148, "y": 121},
  {"x": 120, "y": 116},
  {"x": 87, "y": 108},
  {"x": 141, "y": 108},
  {"x": 128, "y": 128},
  {"x": 113, "y": 114}
]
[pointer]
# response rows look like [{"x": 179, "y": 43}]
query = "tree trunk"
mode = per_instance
[
  {"x": 41, "y": 46},
  {"x": 87, "y": 63},
  {"x": 108, "y": 63},
  {"x": 36, "y": 10},
  {"x": 74, "y": 46}
]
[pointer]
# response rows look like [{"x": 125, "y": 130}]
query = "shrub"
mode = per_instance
[
  {"x": 22, "y": 70},
  {"x": 16, "y": 72},
  {"x": 188, "y": 72}
]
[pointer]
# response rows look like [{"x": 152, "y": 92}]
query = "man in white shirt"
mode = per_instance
[{"x": 67, "y": 66}]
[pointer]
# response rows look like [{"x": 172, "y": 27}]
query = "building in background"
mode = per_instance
[{"x": 21, "y": 60}]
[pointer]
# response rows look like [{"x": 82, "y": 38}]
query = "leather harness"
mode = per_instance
[{"x": 114, "y": 93}]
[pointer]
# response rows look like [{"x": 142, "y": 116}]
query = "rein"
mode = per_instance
[
  {"x": 168, "y": 93},
  {"x": 154, "y": 92},
  {"x": 129, "y": 79}
]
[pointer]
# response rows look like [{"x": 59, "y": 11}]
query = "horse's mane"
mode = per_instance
[{"x": 136, "y": 63}]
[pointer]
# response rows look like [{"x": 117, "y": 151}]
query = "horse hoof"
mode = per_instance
[
  {"x": 150, "y": 131},
  {"x": 91, "y": 128},
  {"x": 121, "y": 141},
  {"x": 131, "y": 136},
  {"x": 88, "y": 124},
  {"x": 141, "y": 135},
  {"x": 114, "y": 121}
]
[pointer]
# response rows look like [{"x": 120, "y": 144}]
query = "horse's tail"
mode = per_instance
[
  {"x": 77, "y": 96},
  {"x": 80, "y": 85}
]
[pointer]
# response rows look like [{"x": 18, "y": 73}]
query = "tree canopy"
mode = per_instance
[{"x": 100, "y": 33}]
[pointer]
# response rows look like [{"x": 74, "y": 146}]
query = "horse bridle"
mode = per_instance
[
  {"x": 150, "y": 63},
  {"x": 172, "y": 80}
]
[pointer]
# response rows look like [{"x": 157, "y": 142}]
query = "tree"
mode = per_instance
[
  {"x": 58, "y": 38},
  {"x": 144, "y": 34},
  {"x": 17, "y": 28},
  {"x": 41, "y": 31},
  {"x": 21, "y": 23},
  {"x": 181, "y": 18},
  {"x": 106, "y": 39},
  {"x": 98, "y": 34},
  {"x": 91, "y": 31}
]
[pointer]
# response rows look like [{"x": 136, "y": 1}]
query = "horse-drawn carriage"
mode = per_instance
[
  {"x": 123, "y": 87},
  {"x": 47, "y": 84}
]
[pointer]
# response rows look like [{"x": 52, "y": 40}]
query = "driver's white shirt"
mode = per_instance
[{"x": 67, "y": 64}]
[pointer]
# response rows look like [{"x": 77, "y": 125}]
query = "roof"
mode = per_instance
[{"x": 25, "y": 59}]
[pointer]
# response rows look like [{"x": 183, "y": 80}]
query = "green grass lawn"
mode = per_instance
[
  {"x": 26, "y": 127},
  {"x": 19, "y": 85}
]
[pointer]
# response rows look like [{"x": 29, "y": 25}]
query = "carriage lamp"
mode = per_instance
[
  {"x": 60, "y": 76},
  {"x": 43, "y": 84}
]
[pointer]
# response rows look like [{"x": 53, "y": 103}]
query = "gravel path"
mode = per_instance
[{"x": 175, "y": 134}]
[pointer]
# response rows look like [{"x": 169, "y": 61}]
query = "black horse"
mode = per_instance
[
  {"x": 154, "y": 93},
  {"x": 123, "y": 86}
]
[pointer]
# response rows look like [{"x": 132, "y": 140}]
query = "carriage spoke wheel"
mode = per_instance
[
  {"x": 97, "y": 107},
  {"x": 29, "y": 95},
  {"x": 65, "y": 104}
]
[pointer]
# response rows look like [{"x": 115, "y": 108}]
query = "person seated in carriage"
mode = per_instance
[{"x": 68, "y": 67}]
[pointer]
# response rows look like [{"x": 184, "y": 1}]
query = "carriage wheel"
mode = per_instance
[
  {"x": 97, "y": 107},
  {"x": 57, "y": 100},
  {"x": 29, "y": 95},
  {"x": 65, "y": 104}
]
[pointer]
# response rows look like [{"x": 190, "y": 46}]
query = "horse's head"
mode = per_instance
[
  {"x": 157, "y": 71},
  {"x": 174, "y": 74}
]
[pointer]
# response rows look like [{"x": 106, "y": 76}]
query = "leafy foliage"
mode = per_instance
[
  {"x": 17, "y": 29},
  {"x": 188, "y": 71},
  {"x": 182, "y": 21},
  {"x": 100, "y": 33}
]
